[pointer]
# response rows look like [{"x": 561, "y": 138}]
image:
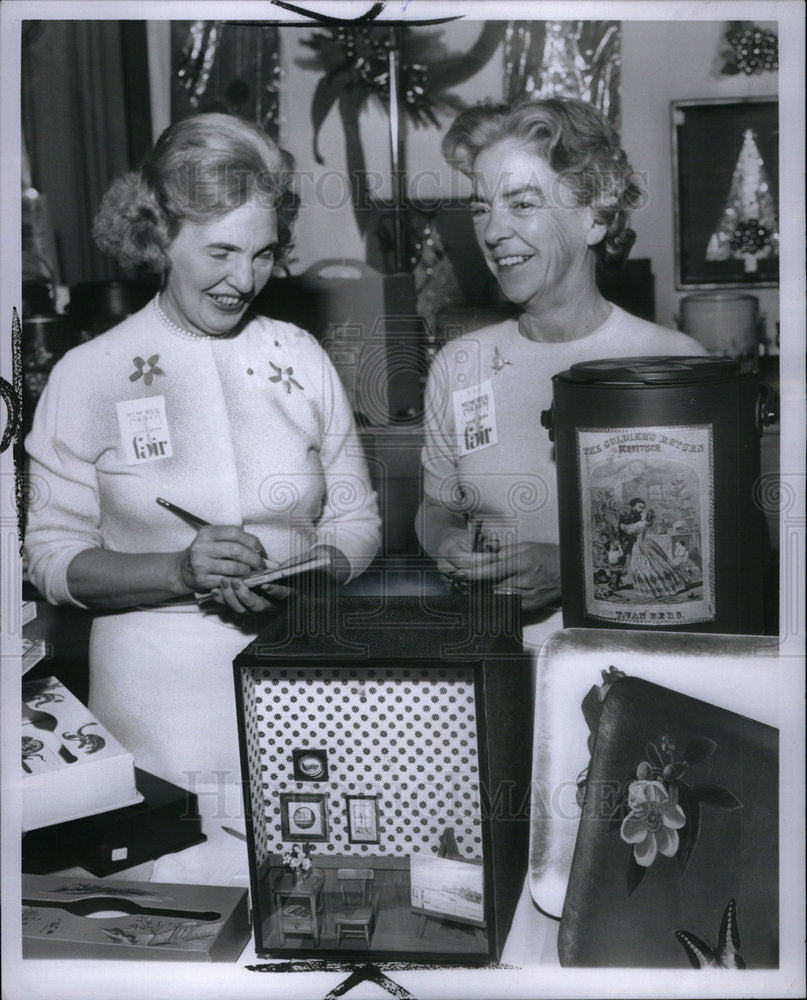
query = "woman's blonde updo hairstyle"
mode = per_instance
[
  {"x": 578, "y": 144},
  {"x": 200, "y": 168}
]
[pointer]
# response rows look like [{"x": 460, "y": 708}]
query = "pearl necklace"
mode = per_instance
[{"x": 172, "y": 326}]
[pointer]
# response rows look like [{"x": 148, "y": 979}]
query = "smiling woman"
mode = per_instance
[
  {"x": 236, "y": 417},
  {"x": 552, "y": 197},
  {"x": 215, "y": 269}
]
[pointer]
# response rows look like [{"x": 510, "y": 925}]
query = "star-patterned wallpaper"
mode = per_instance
[{"x": 406, "y": 735}]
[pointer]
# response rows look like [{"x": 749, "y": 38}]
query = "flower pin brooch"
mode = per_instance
[
  {"x": 284, "y": 376},
  {"x": 499, "y": 362},
  {"x": 146, "y": 369}
]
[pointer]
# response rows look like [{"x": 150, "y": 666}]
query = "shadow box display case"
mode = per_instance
[{"x": 386, "y": 758}]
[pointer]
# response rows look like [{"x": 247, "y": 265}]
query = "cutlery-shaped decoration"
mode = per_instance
[{"x": 47, "y": 723}]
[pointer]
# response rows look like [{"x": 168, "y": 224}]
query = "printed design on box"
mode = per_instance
[
  {"x": 150, "y": 932},
  {"x": 407, "y": 736},
  {"x": 86, "y": 889},
  {"x": 32, "y": 747},
  {"x": 87, "y": 742},
  {"x": 646, "y": 496},
  {"x": 42, "y": 692}
]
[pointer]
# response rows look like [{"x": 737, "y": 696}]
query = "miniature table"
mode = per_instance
[{"x": 309, "y": 890}]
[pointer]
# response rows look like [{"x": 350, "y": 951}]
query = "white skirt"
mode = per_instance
[{"x": 162, "y": 682}]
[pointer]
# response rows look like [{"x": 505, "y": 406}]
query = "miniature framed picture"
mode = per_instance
[
  {"x": 726, "y": 175},
  {"x": 362, "y": 819},
  {"x": 310, "y": 765},
  {"x": 303, "y": 816}
]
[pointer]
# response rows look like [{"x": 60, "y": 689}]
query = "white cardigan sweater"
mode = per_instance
[{"x": 253, "y": 430}]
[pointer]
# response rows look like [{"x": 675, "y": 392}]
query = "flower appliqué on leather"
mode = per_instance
[
  {"x": 146, "y": 369},
  {"x": 659, "y": 813},
  {"x": 284, "y": 376}
]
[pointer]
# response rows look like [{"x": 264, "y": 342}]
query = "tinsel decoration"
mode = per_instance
[
  {"x": 748, "y": 229},
  {"x": 436, "y": 282},
  {"x": 233, "y": 68},
  {"x": 196, "y": 59},
  {"x": 354, "y": 60},
  {"x": 752, "y": 50},
  {"x": 579, "y": 59}
]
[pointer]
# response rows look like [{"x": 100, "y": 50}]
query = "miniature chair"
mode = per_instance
[{"x": 355, "y": 916}]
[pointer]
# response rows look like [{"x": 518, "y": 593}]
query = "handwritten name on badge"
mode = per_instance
[
  {"x": 144, "y": 430},
  {"x": 475, "y": 418}
]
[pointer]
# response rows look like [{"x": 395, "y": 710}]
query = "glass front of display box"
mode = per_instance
[{"x": 367, "y": 829}]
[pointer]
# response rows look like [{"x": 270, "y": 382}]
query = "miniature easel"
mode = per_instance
[{"x": 448, "y": 849}]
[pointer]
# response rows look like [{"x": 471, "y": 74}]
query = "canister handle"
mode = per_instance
[
  {"x": 547, "y": 418},
  {"x": 767, "y": 408}
]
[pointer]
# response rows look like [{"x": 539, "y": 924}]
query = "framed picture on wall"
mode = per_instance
[
  {"x": 304, "y": 816},
  {"x": 310, "y": 765},
  {"x": 726, "y": 192},
  {"x": 362, "y": 819}
]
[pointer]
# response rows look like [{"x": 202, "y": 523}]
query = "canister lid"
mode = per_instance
[{"x": 656, "y": 370}]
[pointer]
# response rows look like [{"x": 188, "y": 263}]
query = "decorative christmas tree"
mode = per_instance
[{"x": 748, "y": 229}]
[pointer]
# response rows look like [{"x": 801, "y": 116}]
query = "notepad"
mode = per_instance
[
  {"x": 278, "y": 574},
  {"x": 288, "y": 569}
]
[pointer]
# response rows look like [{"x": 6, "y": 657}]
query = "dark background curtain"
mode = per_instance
[{"x": 85, "y": 118}]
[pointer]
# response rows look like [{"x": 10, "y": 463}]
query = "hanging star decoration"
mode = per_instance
[
  {"x": 748, "y": 230},
  {"x": 355, "y": 62},
  {"x": 752, "y": 50}
]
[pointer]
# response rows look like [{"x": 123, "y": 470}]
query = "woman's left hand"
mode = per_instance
[
  {"x": 533, "y": 570},
  {"x": 235, "y": 595}
]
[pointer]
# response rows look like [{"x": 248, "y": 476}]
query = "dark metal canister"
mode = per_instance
[{"x": 657, "y": 461}]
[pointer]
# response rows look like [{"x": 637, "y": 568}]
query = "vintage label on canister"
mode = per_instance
[{"x": 647, "y": 513}]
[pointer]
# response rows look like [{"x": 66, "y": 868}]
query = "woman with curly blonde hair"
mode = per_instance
[
  {"x": 235, "y": 417},
  {"x": 552, "y": 196}
]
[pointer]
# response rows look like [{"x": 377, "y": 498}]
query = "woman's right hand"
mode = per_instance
[
  {"x": 219, "y": 553},
  {"x": 457, "y": 561}
]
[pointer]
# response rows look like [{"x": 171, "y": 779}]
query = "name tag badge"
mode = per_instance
[
  {"x": 475, "y": 418},
  {"x": 144, "y": 430}
]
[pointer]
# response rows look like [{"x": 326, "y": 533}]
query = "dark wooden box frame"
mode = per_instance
[{"x": 461, "y": 631}]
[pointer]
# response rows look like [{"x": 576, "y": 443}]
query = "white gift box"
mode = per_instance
[{"x": 71, "y": 765}]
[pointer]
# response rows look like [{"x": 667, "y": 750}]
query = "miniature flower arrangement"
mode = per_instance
[{"x": 298, "y": 861}]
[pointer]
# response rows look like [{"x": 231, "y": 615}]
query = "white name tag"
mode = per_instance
[
  {"x": 475, "y": 418},
  {"x": 144, "y": 430}
]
